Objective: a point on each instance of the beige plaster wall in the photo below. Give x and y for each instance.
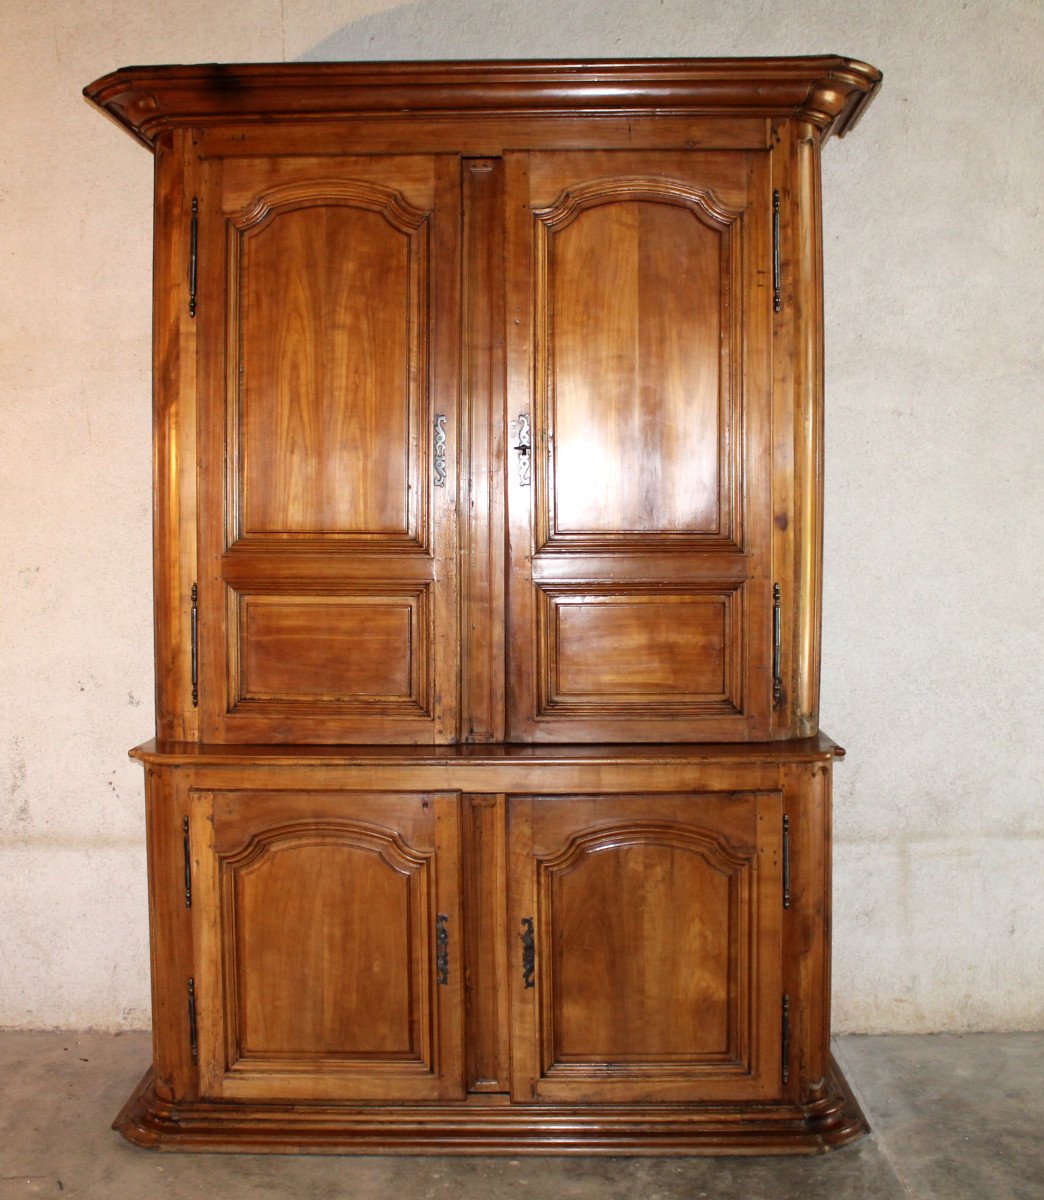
(933, 549)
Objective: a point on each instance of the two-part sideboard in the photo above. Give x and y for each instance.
(488, 809)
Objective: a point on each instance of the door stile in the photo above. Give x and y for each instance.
(445, 317)
(482, 426)
(174, 434)
(520, 614)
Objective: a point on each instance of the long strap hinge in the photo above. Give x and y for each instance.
(777, 645)
(193, 1031)
(194, 625)
(777, 265)
(193, 256)
(442, 949)
(187, 853)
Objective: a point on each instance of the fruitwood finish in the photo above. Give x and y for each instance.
(488, 810)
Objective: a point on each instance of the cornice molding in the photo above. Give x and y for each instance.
(828, 91)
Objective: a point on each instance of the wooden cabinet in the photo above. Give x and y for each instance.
(488, 809)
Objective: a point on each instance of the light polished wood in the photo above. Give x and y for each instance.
(483, 449)
(492, 449)
(174, 466)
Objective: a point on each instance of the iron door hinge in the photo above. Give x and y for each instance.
(786, 862)
(777, 266)
(528, 952)
(193, 256)
(441, 949)
(193, 1035)
(777, 645)
(785, 1039)
(194, 626)
(188, 860)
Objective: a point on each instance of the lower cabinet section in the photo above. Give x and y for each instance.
(543, 951)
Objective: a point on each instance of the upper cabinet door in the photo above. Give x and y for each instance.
(638, 317)
(328, 328)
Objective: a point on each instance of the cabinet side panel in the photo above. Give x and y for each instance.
(808, 452)
(174, 437)
(807, 804)
(170, 932)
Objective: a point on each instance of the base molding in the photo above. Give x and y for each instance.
(834, 1120)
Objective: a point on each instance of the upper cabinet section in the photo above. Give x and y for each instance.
(488, 397)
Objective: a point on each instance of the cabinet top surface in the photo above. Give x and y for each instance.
(827, 90)
(818, 748)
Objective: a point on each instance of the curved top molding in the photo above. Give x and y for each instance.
(829, 91)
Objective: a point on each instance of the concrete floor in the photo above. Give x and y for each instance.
(954, 1118)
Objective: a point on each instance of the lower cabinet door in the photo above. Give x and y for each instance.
(327, 941)
(647, 961)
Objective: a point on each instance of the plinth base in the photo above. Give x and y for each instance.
(833, 1120)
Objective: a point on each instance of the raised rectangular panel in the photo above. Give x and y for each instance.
(610, 651)
(355, 651)
(637, 325)
(651, 1003)
(328, 980)
(328, 351)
